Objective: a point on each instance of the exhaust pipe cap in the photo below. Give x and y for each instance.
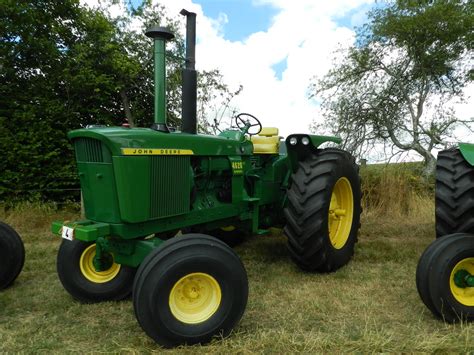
(160, 33)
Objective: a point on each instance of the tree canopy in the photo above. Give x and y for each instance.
(395, 87)
(63, 66)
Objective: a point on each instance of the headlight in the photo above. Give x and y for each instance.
(293, 140)
(305, 140)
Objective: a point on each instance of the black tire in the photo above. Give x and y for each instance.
(454, 194)
(84, 283)
(232, 237)
(174, 262)
(424, 269)
(450, 301)
(307, 211)
(12, 255)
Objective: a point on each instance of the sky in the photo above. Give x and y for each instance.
(274, 48)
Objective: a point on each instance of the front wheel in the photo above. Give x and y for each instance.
(425, 265)
(451, 278)
(79, 277)
(230, 235)
(12, 255)
(323, 211)
(189, 289)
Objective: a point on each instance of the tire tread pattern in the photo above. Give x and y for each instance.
(167, 258)
(12, 255)
(306, 212)
(454, 194)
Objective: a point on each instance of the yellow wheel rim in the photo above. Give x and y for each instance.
(341, 211)
(86, 264)
(195, 298)
(465, 295)
(228, 228)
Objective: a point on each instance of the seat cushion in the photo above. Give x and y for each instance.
(267, 141)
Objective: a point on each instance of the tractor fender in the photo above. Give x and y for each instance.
(467, 151)
(299, 146)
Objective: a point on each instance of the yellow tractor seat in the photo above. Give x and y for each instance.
(267, 141)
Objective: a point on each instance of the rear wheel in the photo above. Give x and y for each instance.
(79, 277)
(323, 211)
(189, 289)
(454, 194)
(12, 255)
(451, 274)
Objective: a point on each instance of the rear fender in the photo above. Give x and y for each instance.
(299, 151)
(467, 151)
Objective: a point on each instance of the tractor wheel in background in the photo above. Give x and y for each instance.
(323, 211)
(77, 274)
(12, 255)
(454, 194)
(189, 289)
(450, 267)
(229, 234)
(423, 270)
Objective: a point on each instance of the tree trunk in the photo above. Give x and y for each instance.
(126, 108)
(430, 166)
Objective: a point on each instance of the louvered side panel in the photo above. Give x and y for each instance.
(170, 186)
(89, 150)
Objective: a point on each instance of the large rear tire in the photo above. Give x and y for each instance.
(454, 194)
(452, 298)
(323, 211)
(190, 289)
(77, 274)
(12, 255)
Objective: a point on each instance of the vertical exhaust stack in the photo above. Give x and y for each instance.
(189, 86)
(160, 35)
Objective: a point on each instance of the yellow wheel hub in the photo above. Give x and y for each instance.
(195, 298)
(228, 228)
(465, 295)
(86, 264)
(341, 211)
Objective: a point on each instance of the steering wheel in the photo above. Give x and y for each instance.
(246, 124)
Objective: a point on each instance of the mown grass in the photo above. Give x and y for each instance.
(371, 305)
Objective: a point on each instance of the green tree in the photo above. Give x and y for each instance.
(63, 66)
(136, 91)
(395, 86)
(36, 100)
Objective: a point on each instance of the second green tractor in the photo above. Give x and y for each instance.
(445, 272)
(159, 203)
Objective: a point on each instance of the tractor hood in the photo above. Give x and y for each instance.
(145, 141)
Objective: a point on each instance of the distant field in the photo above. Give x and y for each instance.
(371, 305)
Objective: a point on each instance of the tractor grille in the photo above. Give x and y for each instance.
(89, 150)
(170, 185)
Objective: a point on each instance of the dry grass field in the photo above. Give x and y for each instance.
(370, 305)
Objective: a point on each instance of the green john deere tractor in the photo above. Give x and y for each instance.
(12, 255)
(142, 186)
(445, 272)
